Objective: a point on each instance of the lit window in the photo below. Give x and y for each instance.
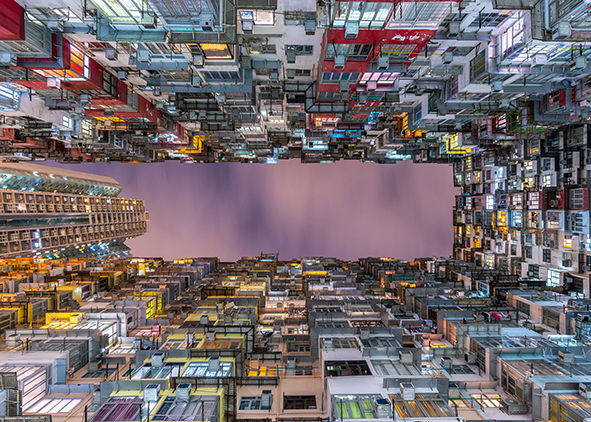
(216, 51)
(568, 242)
(553, 278)
(67, 122)
(489, 202)
(546, 180)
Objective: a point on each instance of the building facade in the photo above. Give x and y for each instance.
(48, 211)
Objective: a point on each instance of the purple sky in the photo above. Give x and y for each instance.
(348, 210)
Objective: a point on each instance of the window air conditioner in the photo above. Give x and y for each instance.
(339, 62)
(351, 30)
(207, 22)
(562, 31)
(454, 29)
(384, 62)
(111, 54)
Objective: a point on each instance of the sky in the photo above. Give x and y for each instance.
(347, 210)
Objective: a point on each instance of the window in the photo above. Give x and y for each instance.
(478, 66)
(379, 77)
(528, 252)
(299, 402)
(79, 62)
(303, 72)
(576, 199)
(346, 368)
(567, 242)
(547, 255)
(398, 52)
(513, 38)
(298, 18)
(350, 51)
(216, 51)
(220, 76)
(8, 98)
(553, 278)
(418, 14)
(487, 400)
(567, 259)
(490, 202)
(250, 403)
(67, 122)
(109, 84)
(336, 77)
(262, 49)
(300, 50)
(368, 14)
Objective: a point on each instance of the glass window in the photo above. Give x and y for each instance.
(553, 278)
(216, 51)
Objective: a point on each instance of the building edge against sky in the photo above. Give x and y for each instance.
(58, 213)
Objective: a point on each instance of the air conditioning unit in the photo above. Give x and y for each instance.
(151, 393)
(214, 364)
(210, 336)
(204, 320)
(149, 22)
(513, 407)
(407, 391)
(339, 62)
(539, 59)
(580, 63)
(454, 29)
(563, 31)
(453, 391)
(405, 357)
(144, 55)
(446, 362)
(362, 97)
(383, 62)
(111, 54)
(310, 26)
(583, 318)
(291, 363)
(365, 334)
(448, 57)
(351, 30)
(290, 56)
(183, 393)
(470, 357)
(274, 76)
(7, 59)
(566, 357)
(198, 60)
(383, 409)
(206, 22)
(266, 399)
(158, 360)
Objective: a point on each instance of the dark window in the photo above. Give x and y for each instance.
(110, 84)
(299, 402)
(346, 368)
(547, 255)
(478, 66)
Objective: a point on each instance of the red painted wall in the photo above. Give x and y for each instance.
(12, 21)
